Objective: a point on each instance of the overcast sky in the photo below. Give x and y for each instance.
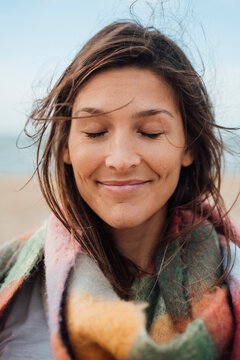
(38, 38)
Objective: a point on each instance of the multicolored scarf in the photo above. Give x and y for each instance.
(171, 316)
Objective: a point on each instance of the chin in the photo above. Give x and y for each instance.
(124, 221)
(123, 225)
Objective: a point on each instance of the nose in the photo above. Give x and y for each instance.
(122, 154)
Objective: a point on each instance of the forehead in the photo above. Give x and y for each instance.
(113, 88)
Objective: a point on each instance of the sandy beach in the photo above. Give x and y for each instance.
(21, 210)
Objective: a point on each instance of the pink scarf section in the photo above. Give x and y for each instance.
(60, 254)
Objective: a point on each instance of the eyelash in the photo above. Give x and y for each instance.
(149, 135)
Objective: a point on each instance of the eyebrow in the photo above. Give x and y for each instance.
(151, 112)
(137, 115)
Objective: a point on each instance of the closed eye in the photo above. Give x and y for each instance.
(94, 135)
(150, 135)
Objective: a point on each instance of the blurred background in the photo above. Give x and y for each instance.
(39, 38)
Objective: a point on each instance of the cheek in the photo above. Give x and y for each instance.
(84, 161)
(166, 160)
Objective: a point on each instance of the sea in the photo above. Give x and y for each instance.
(19, 157)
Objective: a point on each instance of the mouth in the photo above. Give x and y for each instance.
(124, 186)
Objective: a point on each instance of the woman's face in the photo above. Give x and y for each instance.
(126, 162)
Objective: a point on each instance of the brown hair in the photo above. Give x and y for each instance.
(117, 45)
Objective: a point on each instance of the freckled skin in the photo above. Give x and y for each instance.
(123, 151)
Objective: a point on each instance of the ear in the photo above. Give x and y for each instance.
(66, 155)
(187, 158)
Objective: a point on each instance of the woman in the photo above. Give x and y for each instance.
(134, 260)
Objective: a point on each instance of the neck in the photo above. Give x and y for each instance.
(139, 243)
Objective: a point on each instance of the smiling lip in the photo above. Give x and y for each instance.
(125, 186)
